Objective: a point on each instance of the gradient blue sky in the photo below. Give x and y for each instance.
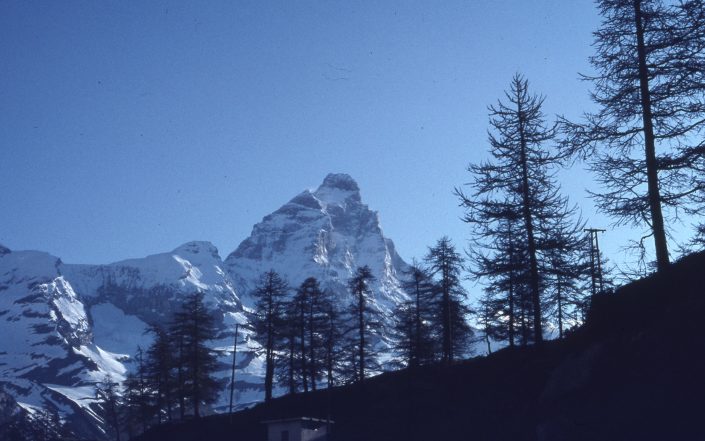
(128, 128)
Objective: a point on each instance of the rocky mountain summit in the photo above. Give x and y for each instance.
(327, 234)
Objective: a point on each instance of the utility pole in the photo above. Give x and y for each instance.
(232, 376)
(596, 273)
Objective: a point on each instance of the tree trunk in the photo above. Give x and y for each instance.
(511, 291)
(447, 329)
(269, 374)
(657, 224)
(417, 338)
(560, 309)
(361, 301)
(269, 368)
(196, 367)
(292, 367)
(180, 376)
(312, 362)
(302, 336)
(528, 220)
(329, 367)
(511, 310)
(330, 348)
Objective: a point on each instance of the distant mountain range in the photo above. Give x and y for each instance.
(68, 326)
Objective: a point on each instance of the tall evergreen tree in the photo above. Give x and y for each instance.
(462, 333)
(134, 410)
(498, 257)
(299, 321)
(159, 370)
(413, 331)
(490, 315)
(192, 328)
(313, 304)
(142, 400)
(288, 361)
(446, 265)
(333, 339)
(270, 293)
(181, 380)
(365, 323)
(517, 183)
(566, 269)
(645, 140)
(304, 331)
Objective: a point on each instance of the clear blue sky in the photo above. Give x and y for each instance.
(128, 128)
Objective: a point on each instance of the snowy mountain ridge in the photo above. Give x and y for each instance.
(72, 326)
(151, 287)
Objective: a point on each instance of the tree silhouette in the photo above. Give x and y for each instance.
(566, 268)
(413, 329)
(270, 293)
(517, 183)
(287, 361)
(316, 305)
(159, 366)
(445, 264)
(644, 142)
(498, 256)
(192, 327)
(307, 338)
(332, 330)
(365, 322)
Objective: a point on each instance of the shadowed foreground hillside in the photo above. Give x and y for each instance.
(636, 371)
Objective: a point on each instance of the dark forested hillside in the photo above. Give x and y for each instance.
(633, 372)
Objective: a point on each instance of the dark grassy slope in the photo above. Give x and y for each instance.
(636, 371)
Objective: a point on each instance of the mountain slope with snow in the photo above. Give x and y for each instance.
(68, 327)
(152, 288)
(327, 234)
(49, 359)
(126, 297)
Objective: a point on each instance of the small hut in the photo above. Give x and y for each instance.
(298, 429)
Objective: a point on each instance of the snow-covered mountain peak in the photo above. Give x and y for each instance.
(326, 234)
(203, 248)
(342, 181)
(338, 189)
